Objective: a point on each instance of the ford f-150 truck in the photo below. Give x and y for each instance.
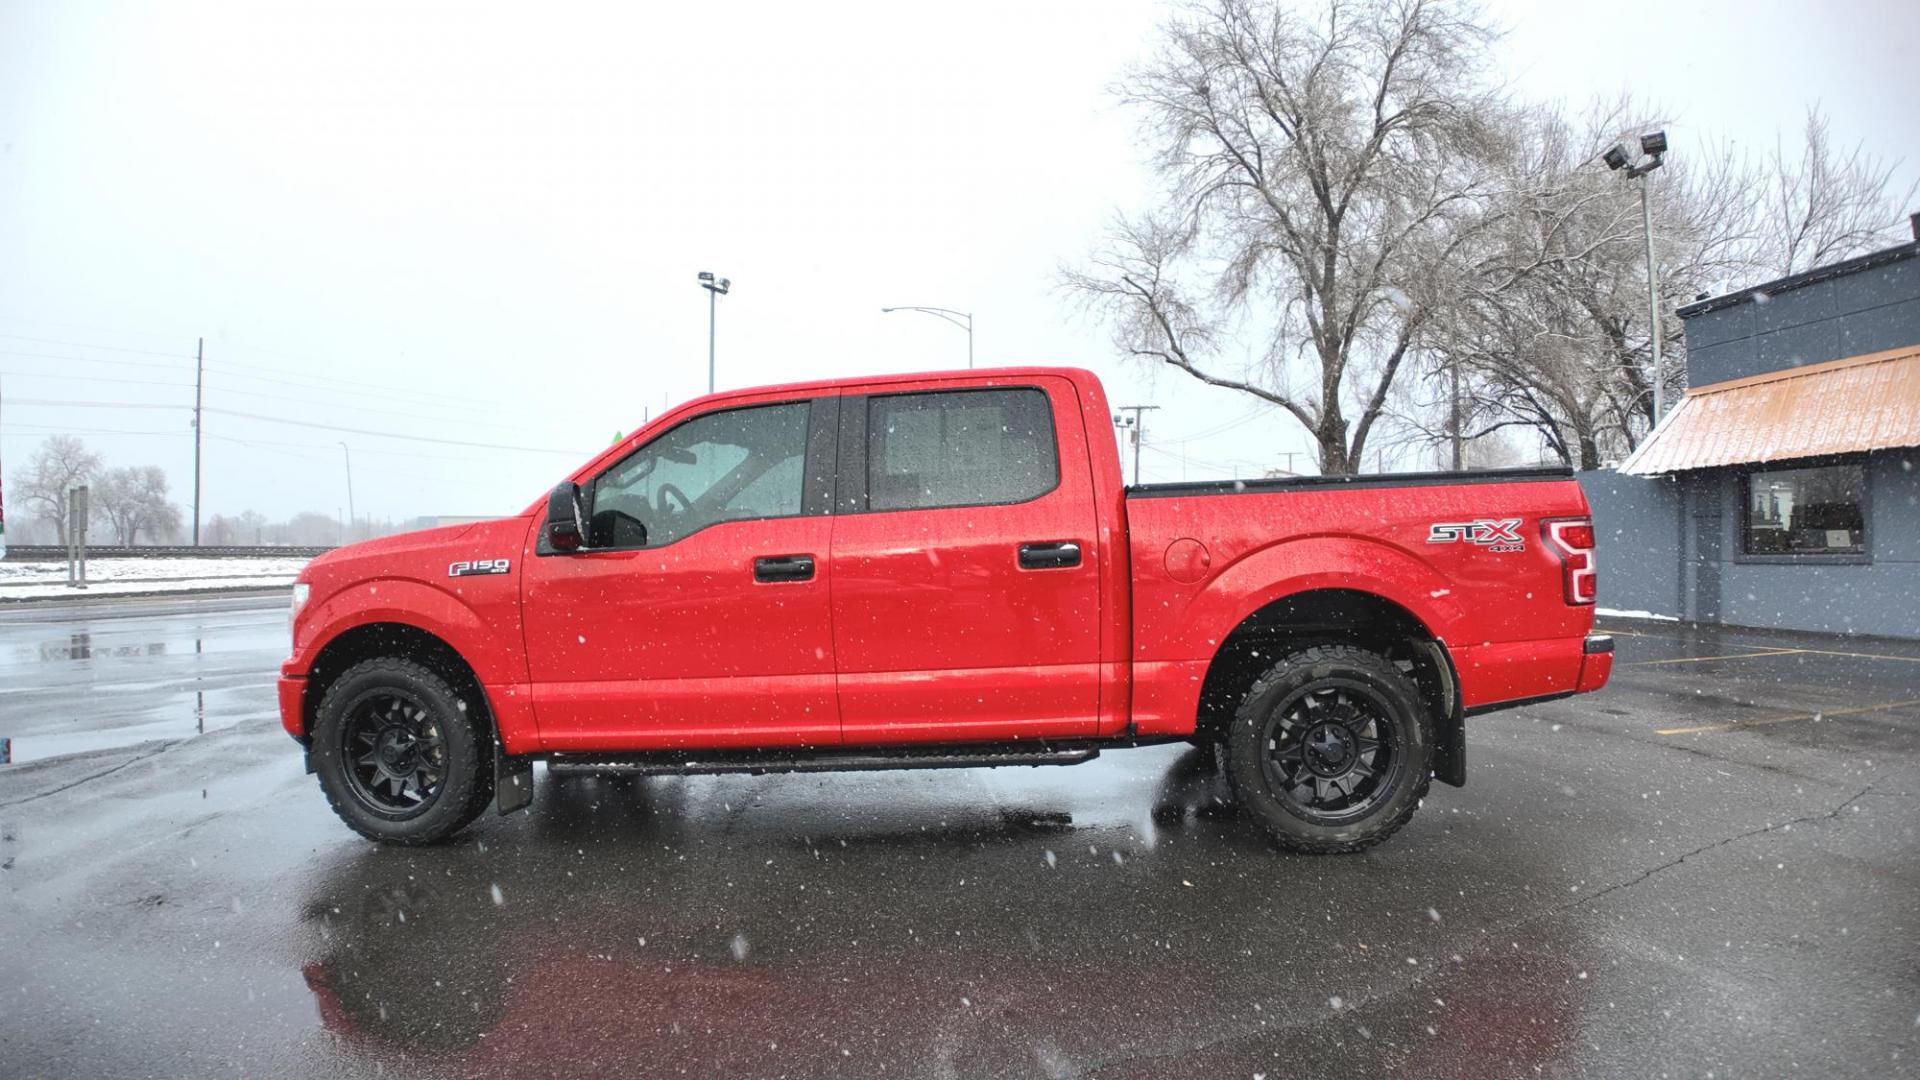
(939, 570)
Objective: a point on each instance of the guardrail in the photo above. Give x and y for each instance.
(55, 553)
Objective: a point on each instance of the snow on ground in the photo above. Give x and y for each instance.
(106, 577)
(1620, 613)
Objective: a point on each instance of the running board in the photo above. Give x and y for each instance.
(760, 762)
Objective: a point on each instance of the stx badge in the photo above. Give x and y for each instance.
(479, 566)
(1494, 535)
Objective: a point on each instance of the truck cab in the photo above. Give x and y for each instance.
(932, 570)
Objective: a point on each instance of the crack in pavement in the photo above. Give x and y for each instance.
(1671, 863)
(71, 784)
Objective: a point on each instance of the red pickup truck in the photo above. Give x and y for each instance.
(939, 570)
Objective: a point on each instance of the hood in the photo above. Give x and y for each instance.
(409, 554)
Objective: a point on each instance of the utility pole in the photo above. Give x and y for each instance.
(199, 380)
(351, 516)
(1455, 366)
(1136, 424)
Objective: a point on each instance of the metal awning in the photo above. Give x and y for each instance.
(1849, 406)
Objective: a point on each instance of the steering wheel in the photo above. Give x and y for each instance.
(660, 499)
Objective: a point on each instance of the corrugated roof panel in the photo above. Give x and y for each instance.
(1869, 402)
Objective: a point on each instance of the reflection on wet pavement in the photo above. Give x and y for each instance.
(1002, 926)
(114, 676)
(1600, 900)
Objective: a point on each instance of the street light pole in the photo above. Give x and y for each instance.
(949, 315)
(1650, 155)
(348, 454)
(1653, 298)
(716, 288)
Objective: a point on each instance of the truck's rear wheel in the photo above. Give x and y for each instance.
(1330, 749)
(399, 759)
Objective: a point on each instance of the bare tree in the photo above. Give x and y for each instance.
(1826, 204)
(1550, 329)
(61, 464)
(134, 499)
(1324, 176)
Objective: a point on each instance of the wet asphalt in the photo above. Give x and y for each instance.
(1711, 868)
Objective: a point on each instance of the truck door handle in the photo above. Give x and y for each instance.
(1054, 555)
(783, 568)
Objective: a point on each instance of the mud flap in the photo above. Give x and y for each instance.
(1450, 750)
(512, 782)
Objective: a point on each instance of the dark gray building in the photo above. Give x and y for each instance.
(1784, 489)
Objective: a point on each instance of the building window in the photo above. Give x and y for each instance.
(1818, 511)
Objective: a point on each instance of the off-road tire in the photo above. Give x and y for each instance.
(1245, 747)
(468, 786)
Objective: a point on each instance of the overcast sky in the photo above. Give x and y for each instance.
(481, 223)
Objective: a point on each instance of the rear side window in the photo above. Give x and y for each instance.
(959, 448)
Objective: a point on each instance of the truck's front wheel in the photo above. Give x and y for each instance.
(1330, 749)
(399, 758)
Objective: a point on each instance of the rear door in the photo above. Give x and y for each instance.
(697, 614)
(965, 589)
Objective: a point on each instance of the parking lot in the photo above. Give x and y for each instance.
(1710, 868)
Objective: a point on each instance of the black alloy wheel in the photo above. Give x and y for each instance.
(1330, 751)
(403, 757)
(395, 754)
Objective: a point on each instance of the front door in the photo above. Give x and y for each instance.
(697, 614)
(965, 571)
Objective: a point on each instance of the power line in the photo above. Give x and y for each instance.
(303, 423)
(394, 435)
(102, 348)
(90, 359)
(94, 378)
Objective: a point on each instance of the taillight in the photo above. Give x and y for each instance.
(1572, 540)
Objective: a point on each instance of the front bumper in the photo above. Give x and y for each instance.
(1596, 663)
(293, 705)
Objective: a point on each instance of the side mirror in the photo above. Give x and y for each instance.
(563, 518)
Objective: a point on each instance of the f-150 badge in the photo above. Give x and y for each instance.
(1494, 535)
(479, 566)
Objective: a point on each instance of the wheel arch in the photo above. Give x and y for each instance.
(1343, 615)
(368, 641)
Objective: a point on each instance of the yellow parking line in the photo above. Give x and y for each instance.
(1883, 706)
(1704, 659)
(1862, 655)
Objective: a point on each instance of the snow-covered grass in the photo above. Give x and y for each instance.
(106, 577)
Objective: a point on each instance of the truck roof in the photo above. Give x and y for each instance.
(959, 374)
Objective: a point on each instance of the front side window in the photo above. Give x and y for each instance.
(724, 466)
(1817, 511)
(959, 448)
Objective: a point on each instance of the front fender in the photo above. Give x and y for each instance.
(1297, 566)
(413, 603)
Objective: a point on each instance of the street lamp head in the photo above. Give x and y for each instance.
(713, 283)
(1617, 156)
(1654, 145)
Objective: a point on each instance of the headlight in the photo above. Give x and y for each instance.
(300, 592)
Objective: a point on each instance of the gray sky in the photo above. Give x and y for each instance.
(481, 223)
